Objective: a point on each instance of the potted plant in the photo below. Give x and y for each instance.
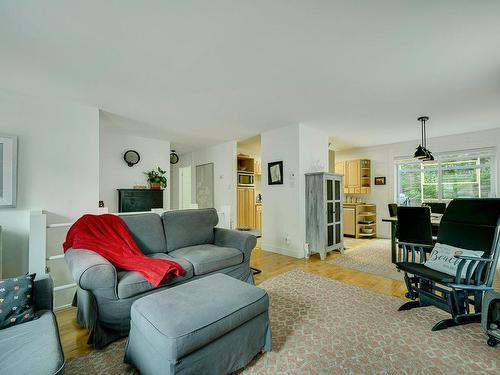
(156, 178)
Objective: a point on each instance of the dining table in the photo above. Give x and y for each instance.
(393, 220)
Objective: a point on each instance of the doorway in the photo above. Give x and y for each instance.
(185, 187)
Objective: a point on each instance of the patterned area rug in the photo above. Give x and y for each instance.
(323, 326)
(372, 257)
(375, 257)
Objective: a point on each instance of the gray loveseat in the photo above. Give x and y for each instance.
(34, 347)
(105, 294)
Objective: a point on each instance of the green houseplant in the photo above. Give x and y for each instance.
(156, 178)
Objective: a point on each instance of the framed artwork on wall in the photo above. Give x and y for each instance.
(8, 170)
(205, 185)
(275, 173)
(379, 180)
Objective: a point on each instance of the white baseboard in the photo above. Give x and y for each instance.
(281, 250)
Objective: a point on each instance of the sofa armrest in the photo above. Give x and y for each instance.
(92, 272)
(245, 242)
(43, 293)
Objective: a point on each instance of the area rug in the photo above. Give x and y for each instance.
(372, 257)
(375, 257)
(323, 326)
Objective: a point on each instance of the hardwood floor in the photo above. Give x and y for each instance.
(74, 338)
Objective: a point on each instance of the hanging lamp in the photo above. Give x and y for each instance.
(422, 153)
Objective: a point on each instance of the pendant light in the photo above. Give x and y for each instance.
(421, 152)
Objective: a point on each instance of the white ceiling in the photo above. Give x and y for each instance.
(201, 72)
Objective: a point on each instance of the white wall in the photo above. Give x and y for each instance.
(224, 158)
(280, 218)
(302, 149)
(313, 151)
(185, 160)
(114, 173)
(58, 167)
(382, 161)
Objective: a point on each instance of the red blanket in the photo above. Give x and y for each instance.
(108, 236)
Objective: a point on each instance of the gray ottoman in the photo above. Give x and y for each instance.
(213, 325)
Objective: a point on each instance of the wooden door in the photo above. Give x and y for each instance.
(340, 168)
(353, 174)
(250, 207)
(241, 207)
(246, 207)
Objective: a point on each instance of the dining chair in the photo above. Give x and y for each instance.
(414, 225)
(393, 209)
(436, 207)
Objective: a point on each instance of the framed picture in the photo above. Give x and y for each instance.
(8, 170)
(379, 180)
(275, 173)
(205, 185)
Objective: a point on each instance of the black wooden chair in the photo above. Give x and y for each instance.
(414, 225)
(436, 207)
(472, 224)
(393, 209)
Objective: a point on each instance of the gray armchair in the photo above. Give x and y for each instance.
(189, 237)
(34, 347)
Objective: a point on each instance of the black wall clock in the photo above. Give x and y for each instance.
(131, 157)
(174, 158)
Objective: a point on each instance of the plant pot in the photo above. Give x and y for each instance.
(154, 185)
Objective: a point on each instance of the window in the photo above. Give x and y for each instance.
(460, 174)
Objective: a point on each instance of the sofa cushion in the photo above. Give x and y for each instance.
(16, 300)
(208, 258)
(199, 312)
(185, 228)
(32, 347)
(147, 232)
(131, 283)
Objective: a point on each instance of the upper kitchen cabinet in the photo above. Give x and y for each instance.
(357, 175)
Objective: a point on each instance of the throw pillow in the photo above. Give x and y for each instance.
(442, 259)
(16, 300)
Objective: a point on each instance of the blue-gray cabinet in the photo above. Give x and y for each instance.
(324, 197)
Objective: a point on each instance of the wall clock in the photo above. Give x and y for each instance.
(174, 158)
(131, 157)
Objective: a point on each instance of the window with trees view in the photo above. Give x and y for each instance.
(461, 174)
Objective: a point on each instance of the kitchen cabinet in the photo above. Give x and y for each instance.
(357, 175)
(246, 207)
(349, 221)
(360, 220)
